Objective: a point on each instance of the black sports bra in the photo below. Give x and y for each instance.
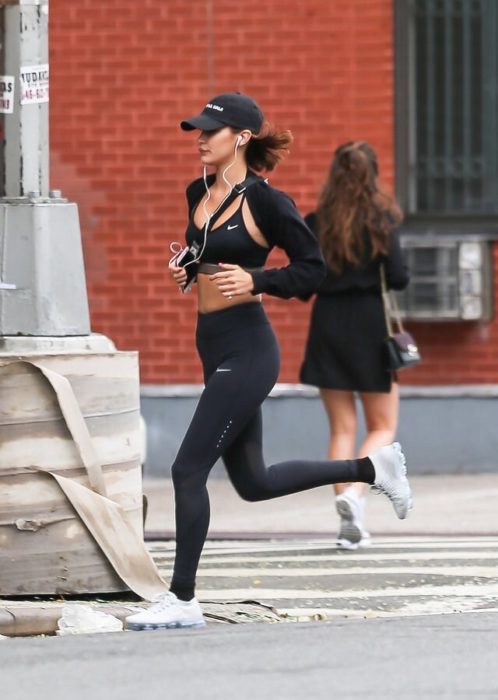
(229, 242)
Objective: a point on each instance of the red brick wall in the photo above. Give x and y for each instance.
(124, 73)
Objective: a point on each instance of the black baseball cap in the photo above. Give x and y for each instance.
(229, 109)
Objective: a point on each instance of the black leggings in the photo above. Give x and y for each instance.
(240, 357)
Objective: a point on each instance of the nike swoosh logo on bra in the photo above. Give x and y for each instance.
(231, 227)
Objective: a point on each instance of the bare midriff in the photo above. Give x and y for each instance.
(209, 297)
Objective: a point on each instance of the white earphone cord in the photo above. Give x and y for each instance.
(204, 204)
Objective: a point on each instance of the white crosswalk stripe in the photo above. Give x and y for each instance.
(397, 576)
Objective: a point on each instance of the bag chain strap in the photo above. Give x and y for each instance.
(390, 302)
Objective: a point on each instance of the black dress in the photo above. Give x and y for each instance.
(345, 347)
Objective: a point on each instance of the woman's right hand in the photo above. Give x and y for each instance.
(179, 275)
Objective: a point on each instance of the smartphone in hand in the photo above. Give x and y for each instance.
(188, 259)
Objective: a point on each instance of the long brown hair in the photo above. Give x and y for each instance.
(352, 204)
(266, 149)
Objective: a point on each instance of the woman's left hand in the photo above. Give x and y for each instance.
(233, 281)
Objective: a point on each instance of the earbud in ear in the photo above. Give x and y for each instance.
(240, 140)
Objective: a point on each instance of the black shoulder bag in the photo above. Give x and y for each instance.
(401, 348)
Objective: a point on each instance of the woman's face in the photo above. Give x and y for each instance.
(217, 147)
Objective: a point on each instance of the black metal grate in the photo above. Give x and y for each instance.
(454, 68)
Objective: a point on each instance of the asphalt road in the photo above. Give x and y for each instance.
(440, 656)
(408, 618)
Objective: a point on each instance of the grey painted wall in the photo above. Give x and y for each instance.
(453, 432)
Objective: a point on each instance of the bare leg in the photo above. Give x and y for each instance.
(381, 414)
(341, 412)
(381, 419)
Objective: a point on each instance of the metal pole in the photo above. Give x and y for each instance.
(42, 279)
(24, 58)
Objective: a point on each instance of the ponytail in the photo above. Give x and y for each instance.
(267, 149)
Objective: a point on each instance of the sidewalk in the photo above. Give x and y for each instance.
(448, 504)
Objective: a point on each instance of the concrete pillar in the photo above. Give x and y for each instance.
(44, 322)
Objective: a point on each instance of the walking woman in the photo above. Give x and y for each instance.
(355, 224)
(236, 343)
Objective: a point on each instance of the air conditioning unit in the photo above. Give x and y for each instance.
(450, 279)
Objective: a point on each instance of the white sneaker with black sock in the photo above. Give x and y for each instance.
(390, 478)
(167, 611)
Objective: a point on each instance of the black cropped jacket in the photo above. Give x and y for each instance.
(278, 219)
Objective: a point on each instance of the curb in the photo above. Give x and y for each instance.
(27, 621)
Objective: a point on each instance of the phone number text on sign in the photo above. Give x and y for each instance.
(34, 84)
(6, 94)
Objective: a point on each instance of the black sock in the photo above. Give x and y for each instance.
(366, 470)
(182, 592)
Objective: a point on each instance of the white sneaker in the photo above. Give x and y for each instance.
(366, 541)
(390, 478)
(167, 611)
(347, 505)
(351, 509)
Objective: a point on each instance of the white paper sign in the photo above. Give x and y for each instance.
(6, 94)
(34, 84)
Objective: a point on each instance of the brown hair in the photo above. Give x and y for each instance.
(352, 204)
(267, 149)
